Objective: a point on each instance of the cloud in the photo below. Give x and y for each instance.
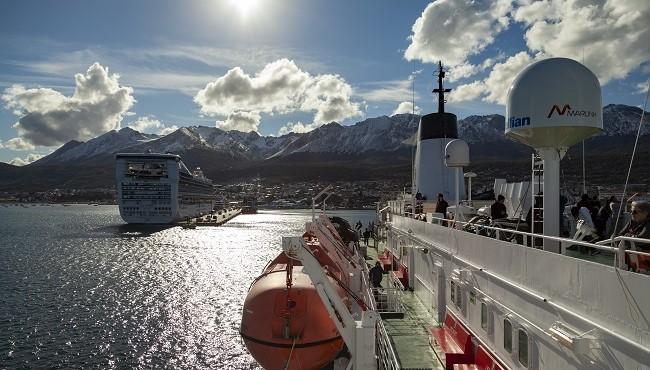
(611, 36)
(167, 130)
(406, 107)
(642, 87)
(27, 160)
(18, 143)
(147, 124)
(297, 127)
(151, 125)
(280, 87)
(241, 121)
(452, 30)
(388, 91)
(49, 118)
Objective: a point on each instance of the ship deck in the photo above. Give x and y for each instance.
(409, 335)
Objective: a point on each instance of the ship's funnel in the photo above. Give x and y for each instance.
(434, 132)
(552, 105)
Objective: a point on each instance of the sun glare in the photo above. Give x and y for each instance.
(245, 7)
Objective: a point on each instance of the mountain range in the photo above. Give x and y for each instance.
(374, 148)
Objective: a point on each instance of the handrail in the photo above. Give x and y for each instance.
(542, 236)
(387, 359)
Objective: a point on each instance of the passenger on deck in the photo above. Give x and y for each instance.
(498, 209)
(604, 213)
(441, 204)
(639, 227)
(366, 236)
(376, 275)
(585, 228)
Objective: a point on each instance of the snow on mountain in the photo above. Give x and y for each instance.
(110, 142)
(619, 119)
(385, 134)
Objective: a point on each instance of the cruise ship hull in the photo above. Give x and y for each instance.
(158, 189)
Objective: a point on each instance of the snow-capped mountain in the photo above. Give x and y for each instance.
(380, 134)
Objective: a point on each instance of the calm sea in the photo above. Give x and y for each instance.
(80, 289)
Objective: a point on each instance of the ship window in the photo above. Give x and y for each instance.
(507, 335)
(459, 297)
(472, 297)
(523, 347)
(453, 291)
(484, 316)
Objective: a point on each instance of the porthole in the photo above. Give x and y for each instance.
(507, 335)
(522, 353)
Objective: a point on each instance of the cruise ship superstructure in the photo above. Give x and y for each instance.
(159, 189)
(492, 298)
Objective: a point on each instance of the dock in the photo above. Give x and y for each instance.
(409, 335)
(216, 219)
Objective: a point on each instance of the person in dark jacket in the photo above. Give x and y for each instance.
(441, 205)
(498, 209)
(376, 275)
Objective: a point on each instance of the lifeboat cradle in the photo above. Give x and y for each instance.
(358, 319)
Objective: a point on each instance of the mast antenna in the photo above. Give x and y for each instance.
(440, 90)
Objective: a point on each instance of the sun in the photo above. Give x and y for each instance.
(245, 7)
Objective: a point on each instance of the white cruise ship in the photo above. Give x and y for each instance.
(159, 189)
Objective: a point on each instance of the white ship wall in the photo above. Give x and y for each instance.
(431, 174)
(534, 290)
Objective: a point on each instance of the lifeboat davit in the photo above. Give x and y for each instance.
(284, 322)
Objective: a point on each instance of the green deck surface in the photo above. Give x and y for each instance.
(410, 336)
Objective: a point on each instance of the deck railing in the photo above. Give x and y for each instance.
(624, 245)
(386, 357)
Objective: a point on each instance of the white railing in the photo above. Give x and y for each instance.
(500, 233)
(386, 357)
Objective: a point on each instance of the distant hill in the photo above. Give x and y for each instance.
(374, 148)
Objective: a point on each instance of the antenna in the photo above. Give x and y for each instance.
(440, 90)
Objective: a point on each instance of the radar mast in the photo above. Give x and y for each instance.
(440, 90)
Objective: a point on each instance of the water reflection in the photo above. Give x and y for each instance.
(79, 293)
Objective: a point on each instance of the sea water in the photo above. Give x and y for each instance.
(81, 289)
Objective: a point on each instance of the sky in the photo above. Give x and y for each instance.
(75, 69)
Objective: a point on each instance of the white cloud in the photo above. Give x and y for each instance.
(466, 92)
(18, 143)
(297, 127)
(642, 87)
(452, 30)
(611, 36)
(151, 125)
(280, 87)
(49, 118)
(167, 130)
(27, 160)
(147, 124)
(406, 107)
(240, 121)
(387, 91)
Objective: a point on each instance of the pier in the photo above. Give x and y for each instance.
(216, 219)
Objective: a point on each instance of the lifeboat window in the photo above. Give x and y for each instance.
(459, 297)
(484, 316)
(507, 335)
(472, 297)
(523, 347)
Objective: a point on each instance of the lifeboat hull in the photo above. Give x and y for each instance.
(299, 334)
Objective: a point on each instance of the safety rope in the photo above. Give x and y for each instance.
(286, 367)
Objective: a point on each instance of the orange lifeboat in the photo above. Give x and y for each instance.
(284, 322)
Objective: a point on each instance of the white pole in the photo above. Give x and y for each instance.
(551, 158)
(470, 191)
(459, 171)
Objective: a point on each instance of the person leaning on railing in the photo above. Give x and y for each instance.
(639, 227)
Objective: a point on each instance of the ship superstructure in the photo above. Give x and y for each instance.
(487, 297)
(159, 189)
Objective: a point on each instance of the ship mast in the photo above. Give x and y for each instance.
(440, 90)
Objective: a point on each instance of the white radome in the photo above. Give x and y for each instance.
(554, 103)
